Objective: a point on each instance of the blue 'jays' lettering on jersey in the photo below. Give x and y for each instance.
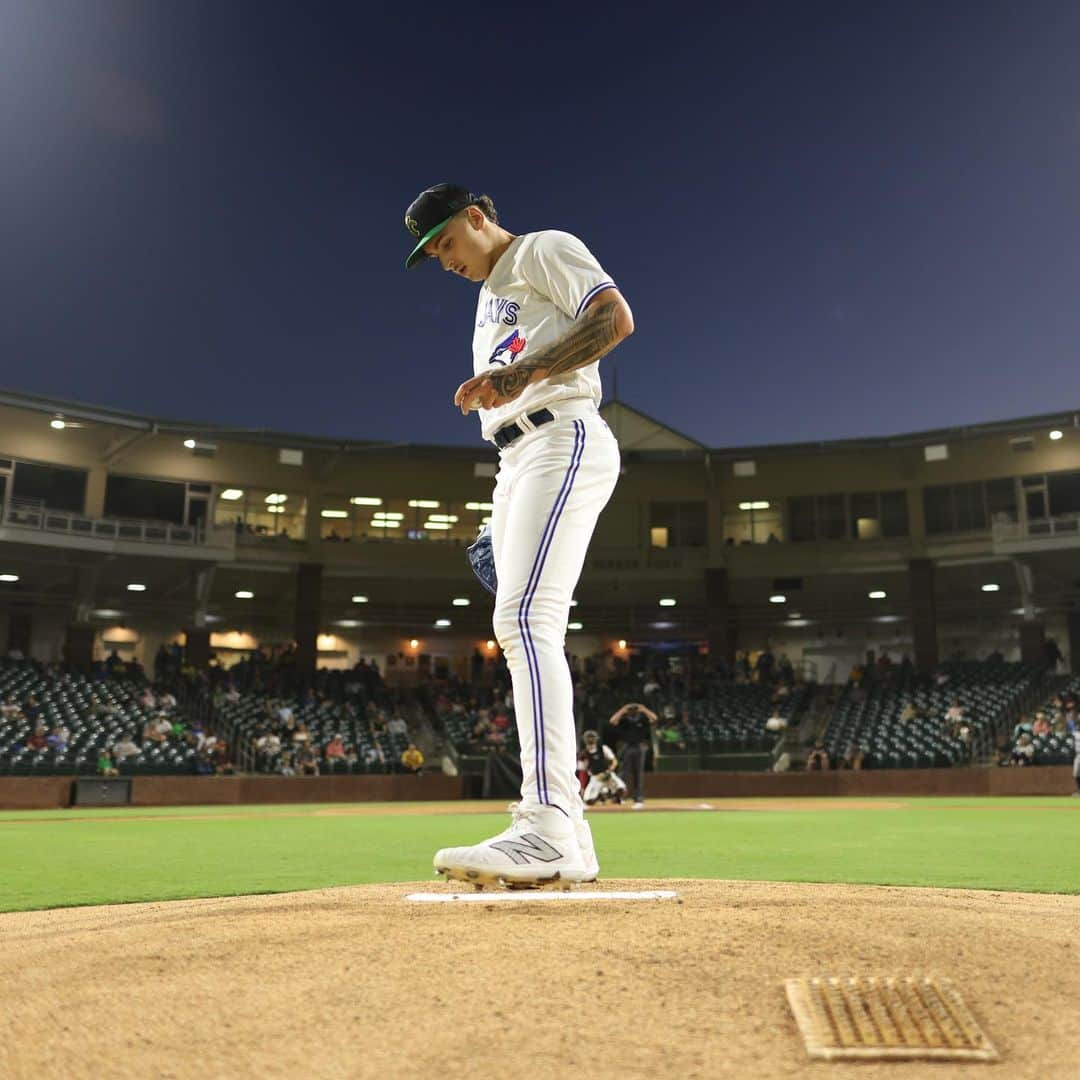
(512, 344)
(498, 310)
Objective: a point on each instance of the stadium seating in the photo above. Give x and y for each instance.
(96, 714)
(1056, 749)
(869, 716)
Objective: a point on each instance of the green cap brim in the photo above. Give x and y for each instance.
(418, 251)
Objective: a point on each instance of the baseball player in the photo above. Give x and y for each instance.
(546, 313)
(600, 763)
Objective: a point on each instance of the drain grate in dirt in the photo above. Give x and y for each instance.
(888, 1018)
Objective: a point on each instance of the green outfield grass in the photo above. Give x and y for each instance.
(61, 858)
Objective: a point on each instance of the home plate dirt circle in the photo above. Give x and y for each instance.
(355, 982)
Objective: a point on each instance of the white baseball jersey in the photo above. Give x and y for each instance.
(540, 286)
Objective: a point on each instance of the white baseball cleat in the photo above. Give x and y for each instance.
(588, 851)
(540, 848)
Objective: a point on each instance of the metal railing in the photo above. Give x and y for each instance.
(32, 515)
(1063, 526)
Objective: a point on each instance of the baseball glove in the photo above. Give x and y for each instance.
(482, 560)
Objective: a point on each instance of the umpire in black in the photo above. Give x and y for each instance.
(634, 723)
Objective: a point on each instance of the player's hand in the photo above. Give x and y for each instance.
(475, 393)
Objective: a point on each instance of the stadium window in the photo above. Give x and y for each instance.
(263, 513)
(54, 488)
(1064, 490)
(753, 521)
(137, 497)
(685, 522)
(831, 517)
(894, 513)
(865, 516)
(938, 508)
(1001, 499)
(802, 519)
(969, 501)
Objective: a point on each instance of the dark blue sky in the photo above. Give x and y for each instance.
(830, 219)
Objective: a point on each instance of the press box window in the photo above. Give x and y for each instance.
(678, 524)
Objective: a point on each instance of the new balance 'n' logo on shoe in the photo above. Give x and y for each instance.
(526, 846)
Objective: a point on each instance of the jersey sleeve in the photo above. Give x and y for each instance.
(562, 268)
(608, 755)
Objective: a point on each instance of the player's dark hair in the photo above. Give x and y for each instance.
(488, 207)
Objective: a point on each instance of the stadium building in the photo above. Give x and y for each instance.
(120, 532)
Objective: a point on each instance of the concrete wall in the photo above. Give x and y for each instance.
(24, 793)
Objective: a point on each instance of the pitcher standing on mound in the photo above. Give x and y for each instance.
(546, 313)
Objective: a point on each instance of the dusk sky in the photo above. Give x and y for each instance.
(830, 220)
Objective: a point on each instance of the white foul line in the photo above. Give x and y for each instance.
(530, 895)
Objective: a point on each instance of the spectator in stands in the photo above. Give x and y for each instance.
(335, 748)
(852, 758)
(38, 739)
(301, 736)
(11, 708)
(1022, 725)
(308, 761)
(220, 757)
(1024, 751)
(909, 712)
(124, 747)
(267, 748)
(776, 722)
(152, 733)
(105, 766)
(954, 713)
(412, 758)
(375, 759)
(1041, 727)
(57, 740)
(285, 763)
(818, 758)
(1060, 726)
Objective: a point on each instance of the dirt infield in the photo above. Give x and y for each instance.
(354, 982)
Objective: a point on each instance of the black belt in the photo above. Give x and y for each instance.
(512, 432)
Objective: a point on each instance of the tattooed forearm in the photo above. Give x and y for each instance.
(595, 336)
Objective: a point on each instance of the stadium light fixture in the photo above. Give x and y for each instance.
(451, 518)
(877, 594)
(573, 603)
(424, 504)
(668, 601)
(275, 509)
(758, 504)
(108, 613)
(276, 498)
(135, 586)
(622, 643)
(1055, 434)
(442, 624)
(365, 500)
(388, 515)
(461, 601)
(991, 586)
(413, 643)
(348, 624)
(335, 513)
(778, 598)
(796, 622)
(57, 424)
(244, 594)
(491, 645)
(232, 494)
(573, 626)
(359, 599)
(9, 577)
(479, 506)
(438, 525)
(662, 625)
(189, 443)
(382, 523)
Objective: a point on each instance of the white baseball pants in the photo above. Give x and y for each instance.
(551, 485)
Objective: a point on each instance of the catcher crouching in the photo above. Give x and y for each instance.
(600, 763)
